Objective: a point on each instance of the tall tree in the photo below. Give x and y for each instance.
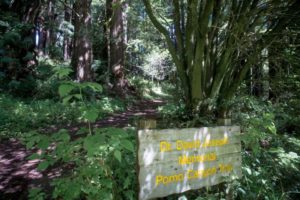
(217, 42)
(82, 48)
(116, 42)
(67, 40)
(50, 29)
(46, 25)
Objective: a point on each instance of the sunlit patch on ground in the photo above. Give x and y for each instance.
(17, 173)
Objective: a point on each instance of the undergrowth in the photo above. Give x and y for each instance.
(18, 116)
(270, 149)
(102, 162)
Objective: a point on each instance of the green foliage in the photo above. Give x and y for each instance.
(56, 52)
(66, 91)
(93, 155)
(288, 115)
(102, 166)
(257, 119)
(36, 194)
(151, 89)
(273, 173)
(145, 42)
(67, 28)
(100, 163)
(16, 50)
(176, 115)
(17, 114)
(47, 81)
(171, 110)
(270, 159)
(259, 129)
(99, 23)
(158, 65)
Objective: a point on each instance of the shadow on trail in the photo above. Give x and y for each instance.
(142, 110)
(18, 175)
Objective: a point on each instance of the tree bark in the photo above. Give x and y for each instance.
(82, 49)
(67, 40)
(48, 31)
(116, 42)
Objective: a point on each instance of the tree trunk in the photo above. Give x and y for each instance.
(116, 44)
(82, 49)
(67, 40)
(208, 57)
(48, 31)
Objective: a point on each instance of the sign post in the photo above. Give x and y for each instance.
(177, 160)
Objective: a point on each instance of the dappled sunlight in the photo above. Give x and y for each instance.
(148, 156)
(177, 160)
(126, 118)
(87, 56)
(159, 91)
(81, 72)
(207, 139)
(79, 78)
(16, 171)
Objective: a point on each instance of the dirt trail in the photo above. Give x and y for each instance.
(17, 174)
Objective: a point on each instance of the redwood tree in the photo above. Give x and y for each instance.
(116, 42)
(82, 48)
(67, 40)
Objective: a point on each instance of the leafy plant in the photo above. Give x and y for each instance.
(91, 154)
(100, 163)
(270, 159)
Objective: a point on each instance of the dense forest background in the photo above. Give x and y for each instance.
(76, 76)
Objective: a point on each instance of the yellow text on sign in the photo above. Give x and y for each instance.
(192, 174)
(185, 160)
(182, 145)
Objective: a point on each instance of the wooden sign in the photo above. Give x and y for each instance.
(176, 160)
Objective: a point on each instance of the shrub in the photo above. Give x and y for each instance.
(102, 163)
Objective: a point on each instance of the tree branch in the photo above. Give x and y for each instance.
(178, 31)
(179, 65)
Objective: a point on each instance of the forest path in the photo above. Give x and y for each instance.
(18, 175)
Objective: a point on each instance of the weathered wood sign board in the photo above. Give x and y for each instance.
(176, 160)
